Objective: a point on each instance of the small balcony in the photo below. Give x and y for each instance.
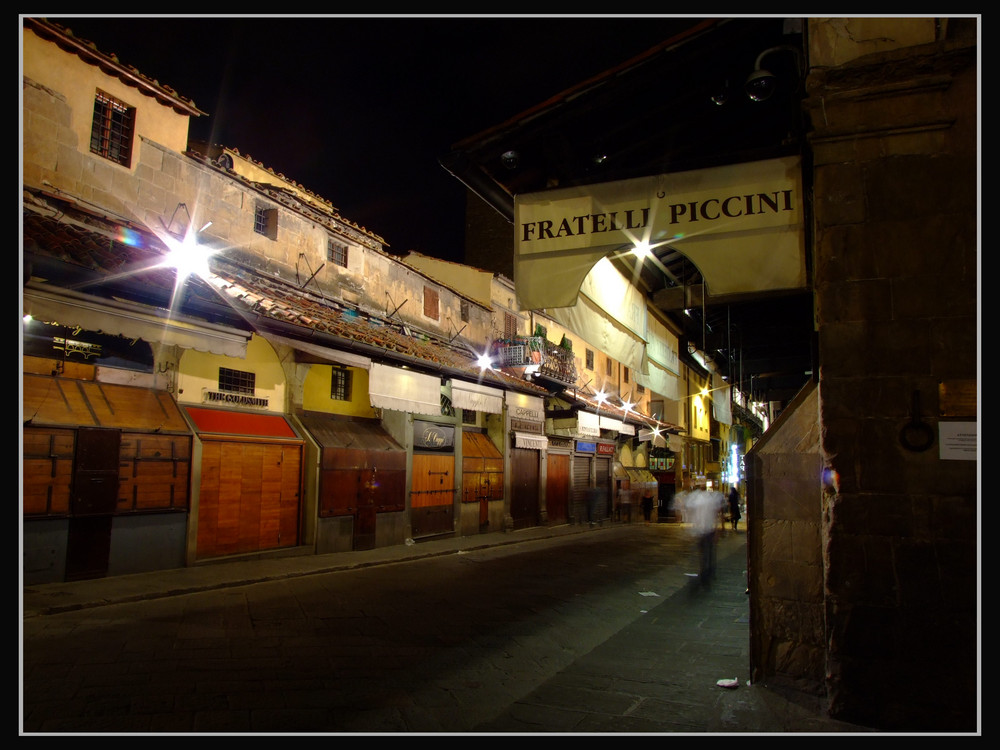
(535, 358)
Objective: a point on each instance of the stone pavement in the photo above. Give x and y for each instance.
(668, 684)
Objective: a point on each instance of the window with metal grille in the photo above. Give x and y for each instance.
(625, 374)
(236, 381)
(589, 359)
(640, 389)
(431, 303)
(465, 311)
(113, 126)
(607, 366)
(336, 253)
(265, 222)
(340, 384)
(469, 416)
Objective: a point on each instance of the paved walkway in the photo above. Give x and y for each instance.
(667, 684)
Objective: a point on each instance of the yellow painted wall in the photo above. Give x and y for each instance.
(78, 81)
(199, 371)
(316, 393)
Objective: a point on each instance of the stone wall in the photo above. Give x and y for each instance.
(894, 147)
(785, 565)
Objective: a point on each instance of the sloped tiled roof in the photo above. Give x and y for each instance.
(110, 64)
(78, 247)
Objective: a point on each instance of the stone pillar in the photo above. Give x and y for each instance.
(893, 142)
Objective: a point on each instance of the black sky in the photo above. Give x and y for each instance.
(359, 109)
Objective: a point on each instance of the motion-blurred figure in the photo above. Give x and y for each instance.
(702, 508)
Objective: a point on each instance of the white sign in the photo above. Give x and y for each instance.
(741, 224)
(958, 441)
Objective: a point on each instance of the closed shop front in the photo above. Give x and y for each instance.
(526, 420)
(583, 456)
(362, 476)
(432, 491)
(482, 473)
(106, 474)
(557, 481)
(251, 482)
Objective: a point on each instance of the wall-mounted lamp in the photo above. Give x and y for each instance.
(761, 83)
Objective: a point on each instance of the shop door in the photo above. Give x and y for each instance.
(482, 474)
(581, 483)
(557, 488)
(602, 478)
(249, 497)
(93, 499)
(432, 494)
(362, 484)
(524, 487)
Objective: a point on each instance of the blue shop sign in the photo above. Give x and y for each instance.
(586, 447)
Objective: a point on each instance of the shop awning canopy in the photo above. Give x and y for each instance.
(476, 397)
(223, 422)
(527, 440)
(404, 390)
(89, 403)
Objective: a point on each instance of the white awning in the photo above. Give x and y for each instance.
(658, 440)
(626, 429)
(118, 318)
(607, 423)
(323, 352)
(587, 424)
(404, 390)
(476, 397)
(527, 440)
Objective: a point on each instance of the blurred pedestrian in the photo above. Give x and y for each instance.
(734, 506)
(703, 509)
(647, 502)
(593, 498)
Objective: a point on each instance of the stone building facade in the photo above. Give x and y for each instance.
(864, 504)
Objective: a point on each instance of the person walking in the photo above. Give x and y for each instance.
(734, 506)
(647, 503)
(702, 510)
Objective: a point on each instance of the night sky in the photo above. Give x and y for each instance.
(359, 109)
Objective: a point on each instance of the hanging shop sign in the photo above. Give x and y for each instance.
(605, 449)
(741, 224)
(430, 436)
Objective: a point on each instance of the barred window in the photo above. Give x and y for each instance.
(236, 381)
(607, 366)
(590, 359)
(265, 222)
(336, 253)
(465, 311)
(625, 374)
(640, 389)
(340, 384)
(112, 130)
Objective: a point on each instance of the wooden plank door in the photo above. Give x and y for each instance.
(524, 487)
(249, 497)
(557, 488)
(432, 494)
